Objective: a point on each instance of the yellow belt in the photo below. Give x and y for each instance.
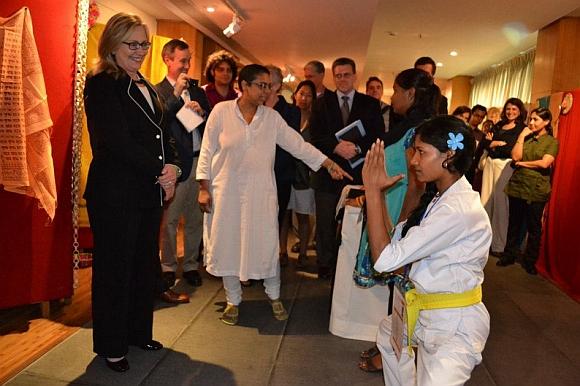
(417, 302)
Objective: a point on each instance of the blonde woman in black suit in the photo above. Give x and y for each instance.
(134, 168)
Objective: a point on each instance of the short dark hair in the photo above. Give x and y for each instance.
(318, 66)
(215, 60)
(426, 60)
(250, 72)
(520, 105)
(170, 47)
(461, 110)
(478, 107)
(344, 62)
(374, 79)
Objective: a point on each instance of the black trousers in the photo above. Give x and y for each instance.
(283, 189)
(524, 216)
(125, 264)
(326, 241)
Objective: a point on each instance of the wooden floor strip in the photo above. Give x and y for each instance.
(25, 336)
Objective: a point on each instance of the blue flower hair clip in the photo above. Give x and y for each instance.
(454, 141)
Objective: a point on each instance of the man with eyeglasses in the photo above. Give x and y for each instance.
(177, 91)
(331, 113)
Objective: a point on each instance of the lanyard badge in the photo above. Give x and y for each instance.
(398, 317)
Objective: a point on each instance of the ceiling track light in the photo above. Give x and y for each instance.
(234, 27)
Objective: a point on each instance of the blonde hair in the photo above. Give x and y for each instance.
(118, 28)
(493, 114)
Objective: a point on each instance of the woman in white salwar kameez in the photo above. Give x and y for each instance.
(238, 189)
(444, 248)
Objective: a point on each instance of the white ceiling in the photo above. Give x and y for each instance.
(382, 36)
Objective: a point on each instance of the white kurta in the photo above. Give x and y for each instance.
(241, 232)
(449, 250)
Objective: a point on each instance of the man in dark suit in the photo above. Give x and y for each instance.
(179, 91)
(332, 112)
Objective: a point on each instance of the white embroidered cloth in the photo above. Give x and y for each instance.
(26, 164)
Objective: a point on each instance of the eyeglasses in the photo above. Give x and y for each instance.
(134, 46)
(262, 85)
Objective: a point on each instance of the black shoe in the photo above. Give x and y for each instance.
(153, 345)
(531, 270)
(192, 278)
(168, 278)
(504, 263)
(119, 366)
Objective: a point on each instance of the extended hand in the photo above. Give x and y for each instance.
(374, 172)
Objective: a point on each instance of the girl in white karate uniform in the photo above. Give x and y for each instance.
(444, 247)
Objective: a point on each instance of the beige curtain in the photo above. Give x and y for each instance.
(510, 79)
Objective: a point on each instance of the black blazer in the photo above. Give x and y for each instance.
(183, 139)
(128, 141)
(326, 120)
(284, 163)
(508, 136)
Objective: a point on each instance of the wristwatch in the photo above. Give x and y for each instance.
(178, 171)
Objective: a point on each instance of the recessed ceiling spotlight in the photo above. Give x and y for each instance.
(453, 53)
(210, 9)
(439, 64)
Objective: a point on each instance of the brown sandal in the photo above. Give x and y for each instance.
(368, 366)
(371, 352)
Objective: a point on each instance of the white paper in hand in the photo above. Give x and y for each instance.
(189, 118)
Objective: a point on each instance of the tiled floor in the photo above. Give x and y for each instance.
(534, 340)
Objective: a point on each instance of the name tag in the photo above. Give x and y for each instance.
(398, 322)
